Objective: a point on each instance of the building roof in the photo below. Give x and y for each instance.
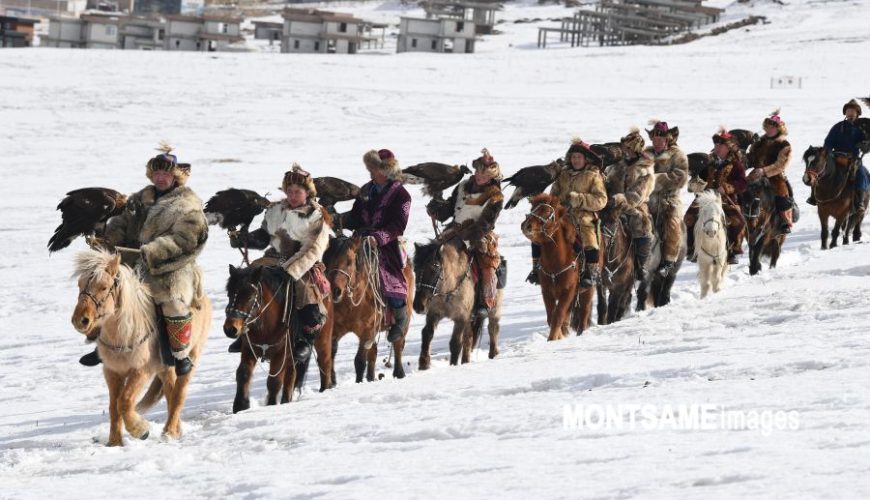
(467, 5)
(319, 16)
(226, 17)
(102, 19)
(18, 20)
(268, 24)
(184, 18)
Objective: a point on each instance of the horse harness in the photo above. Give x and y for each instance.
(123, 349)
(434, 287)
(545, 221)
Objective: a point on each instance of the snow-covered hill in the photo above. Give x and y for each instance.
(789, 340)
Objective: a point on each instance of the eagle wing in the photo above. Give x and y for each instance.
(233, 207)
(82, 211)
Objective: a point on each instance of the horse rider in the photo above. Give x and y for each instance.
(847, 138)
(769, 157)
(475, 205)
(166, 223)
(726, 175)
(629, 183)
(671, 174)
(381, 213)
(580, 188)
(295, 233)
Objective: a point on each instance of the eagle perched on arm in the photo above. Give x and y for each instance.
(530, 181)
(83, 211)
(435, 177)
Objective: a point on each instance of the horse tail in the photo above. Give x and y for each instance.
(151, 397)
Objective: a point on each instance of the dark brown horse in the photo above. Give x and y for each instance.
(617, 278)
(356, 302)
(548, 225)
(445, 289)
(833, 183)
(765, 239)
(258, 297)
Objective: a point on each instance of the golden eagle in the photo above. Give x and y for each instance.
(82, 212)
(530, 181)
(331, 190)
(435, 177)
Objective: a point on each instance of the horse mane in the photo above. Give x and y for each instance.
(337, 246)
(811, 151)
(134, 307)
(707, 197)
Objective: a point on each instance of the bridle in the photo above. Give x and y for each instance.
(99, 303)
(544, 220)
(234, 312)
(436, 266)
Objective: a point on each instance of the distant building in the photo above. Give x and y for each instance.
(64, 32)
(43, 8)
(16, 31)
(207, 32)
(482, 14)
(142, 33)
(155, 7)
(314, 31)
(268, 30)
(90, 31)
(435, 35)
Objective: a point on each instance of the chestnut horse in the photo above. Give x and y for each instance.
(834, 188)
(762, 224)
(617, 278)
(549, 225)
(358, 306)
(445, 289)
(257, 298)
(113, 300)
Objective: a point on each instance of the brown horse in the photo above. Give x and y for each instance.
(762, 224)
(358, 305)
(445, 289)
(257, 298)
(833, 184)
(113, 300)
(617, 279)
(549, 226)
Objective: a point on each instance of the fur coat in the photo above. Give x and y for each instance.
(634, 181)
(170, 231)
(671, 174)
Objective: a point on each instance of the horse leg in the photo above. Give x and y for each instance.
(704, 277)
(334, 354)
(494, 328)
(135, 424)
(398, 349)
(243, 381)
(426, 344)
(115, 382)
(561, 316)
(835, 233)
(273, 384)
(755, 248)
(467, 342)
(286, 379)
(456, 341)
(642, 295)
(359, 361)
(823, 220)
(174, 405)
(602, 303)
(624, 300)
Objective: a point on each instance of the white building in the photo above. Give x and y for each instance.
(90, 31)
(435, 35)
(142, 33)
(313, 31)
(208, 32)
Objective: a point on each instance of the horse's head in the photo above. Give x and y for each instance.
(438, 267)
(244, 299)
(710, 213)
(814, 161)
(544, 219)
(99, 275)
(341, 266)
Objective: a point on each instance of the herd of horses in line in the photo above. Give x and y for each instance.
(113, 298)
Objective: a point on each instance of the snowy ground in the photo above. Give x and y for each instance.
(790, 340)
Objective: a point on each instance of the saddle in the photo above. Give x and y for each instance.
(839, 171)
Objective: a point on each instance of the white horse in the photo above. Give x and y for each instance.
(711, 242)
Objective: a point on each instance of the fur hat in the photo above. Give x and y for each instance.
(487, 164)
(578, 146)
(774, 120)
(723, 136)
(661, 129)
(168, 162)
(385, 161)
(299, 177)
(633, 141)
(852, 104)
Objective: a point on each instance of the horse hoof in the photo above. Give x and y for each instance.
(112, 444)
(145, 436)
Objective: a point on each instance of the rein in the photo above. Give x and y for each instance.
(99, 303)
(545, 221)
(610, 234)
